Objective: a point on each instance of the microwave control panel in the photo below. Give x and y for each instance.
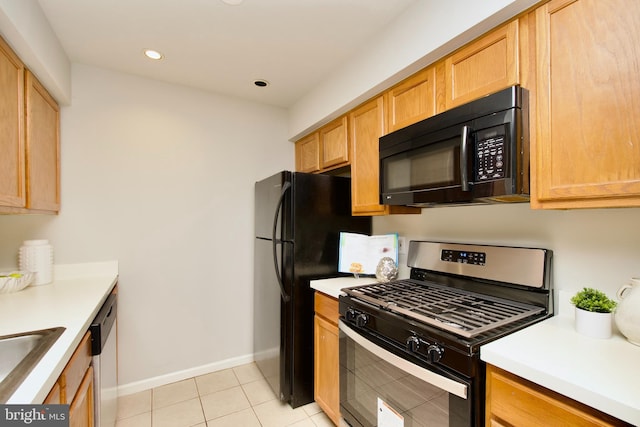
(490, 159)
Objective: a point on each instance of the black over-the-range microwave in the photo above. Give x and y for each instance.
(475, 153)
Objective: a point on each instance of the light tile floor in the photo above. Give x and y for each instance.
(238, 397)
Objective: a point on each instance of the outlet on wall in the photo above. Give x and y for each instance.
(402, 245)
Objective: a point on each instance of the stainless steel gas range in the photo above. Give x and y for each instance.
(410, 349)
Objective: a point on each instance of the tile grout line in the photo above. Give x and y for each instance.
(251, 406)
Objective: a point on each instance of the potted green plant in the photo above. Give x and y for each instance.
(593, 315)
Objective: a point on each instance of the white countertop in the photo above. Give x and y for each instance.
(72, 300)
(332, 286)
(601, 373)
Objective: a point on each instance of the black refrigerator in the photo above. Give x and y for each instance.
(298, 220)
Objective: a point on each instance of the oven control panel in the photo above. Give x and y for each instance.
(464, 257)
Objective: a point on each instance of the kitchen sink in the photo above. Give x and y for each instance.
(19, 354)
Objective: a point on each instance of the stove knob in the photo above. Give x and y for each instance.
(434, 353)
(361, 320)
(413, 344)
(350, 315)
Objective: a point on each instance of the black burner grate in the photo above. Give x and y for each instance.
(461, 312)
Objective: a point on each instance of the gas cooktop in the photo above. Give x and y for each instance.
(461, 312)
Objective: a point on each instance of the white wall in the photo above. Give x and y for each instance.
(595, 247)
(424, 33)
(160, 177)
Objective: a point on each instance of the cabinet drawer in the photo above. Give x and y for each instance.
(327, 307)
(512, 400)
(74, 372)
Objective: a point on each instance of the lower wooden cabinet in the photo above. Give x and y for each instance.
(326, 357)
(75, 386)
(514, 401)
(81, 407)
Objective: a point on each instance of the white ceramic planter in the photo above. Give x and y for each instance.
(593, 324)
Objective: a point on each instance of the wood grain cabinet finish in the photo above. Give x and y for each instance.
(326, 356)
(29, 140)
(484, 66)
(334, 144)
(367, 125)
(12, 160)
(75, 386)
(308, 153)
(586, 149)
(513, 401)
(81, 407)
(42, 147)
(325, 149)
(413, 99)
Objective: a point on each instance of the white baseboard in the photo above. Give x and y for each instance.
(142, 385)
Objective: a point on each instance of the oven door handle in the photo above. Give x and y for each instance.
(443, 383)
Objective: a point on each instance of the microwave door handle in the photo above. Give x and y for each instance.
(464, 158)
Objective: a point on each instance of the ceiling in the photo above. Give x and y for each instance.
(210, 45)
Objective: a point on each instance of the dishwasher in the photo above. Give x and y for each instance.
(103, 349)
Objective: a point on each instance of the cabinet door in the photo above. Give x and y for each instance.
(73, 374)
(482, 67)
(586, 151)
(326, 368)
(54, 396)
(43, 147)
(12, 163)
(81, 407)
(334, 143)
(413, 99)
(367, 125)
(308, 153)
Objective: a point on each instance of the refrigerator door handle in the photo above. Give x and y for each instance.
(276, 241)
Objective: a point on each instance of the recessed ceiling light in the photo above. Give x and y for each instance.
(261, 83)
(153, 54)
(232, 2)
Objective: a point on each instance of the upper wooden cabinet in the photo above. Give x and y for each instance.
(29, 140)
(12, 160)
(308, 153)
(413, 99)
(586, 145)
(334, 144)
(325, 149)
(43, 147)
(367, 125)
(484, 66)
